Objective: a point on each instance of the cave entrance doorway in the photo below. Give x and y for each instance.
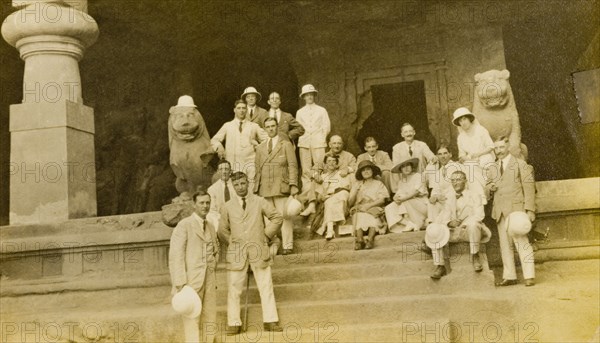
(393, 105)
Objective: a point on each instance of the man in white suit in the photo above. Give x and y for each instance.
(241, 137)
(513, 189)
(220, 192)
(277, 176)
(243, 227)
(315, 121)
(193, 256)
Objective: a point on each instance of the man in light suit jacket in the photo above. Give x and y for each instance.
(287, 126)
(193, 256)
(255, 113)
(243, 227)
(241, 137)
(220, 192)
(462, 215)
(315, 121)
(512, 184)
(277, 176)
(410, 148)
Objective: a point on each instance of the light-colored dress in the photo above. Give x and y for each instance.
(337, 187)
(369, 191)
(415, 209)
(476, 140)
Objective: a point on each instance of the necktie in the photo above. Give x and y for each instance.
(270, 145)
(410, 151)
(251, 114)
(227, 197)
(458, 195)
(241, 122)
(244, 203)
(501, 167)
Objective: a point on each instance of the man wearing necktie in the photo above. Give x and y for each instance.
(241, 137)
(410, 147)
(462, 215)
(255, 113)
(287, 126)
(513, 189)
(277, 176)
(220, 192)
(243, 227)
(193, 256)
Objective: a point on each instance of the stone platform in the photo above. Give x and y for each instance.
(106, 279)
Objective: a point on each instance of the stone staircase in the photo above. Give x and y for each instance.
(326, 292)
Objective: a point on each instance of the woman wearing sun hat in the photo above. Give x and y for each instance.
(408, 210)
(367, 196)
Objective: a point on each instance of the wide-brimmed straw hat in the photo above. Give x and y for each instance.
(462, 112)
(366, 164)
(412, 161)
(250, 90)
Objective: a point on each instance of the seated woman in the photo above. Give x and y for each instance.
(408, 210)
(368, 195)
(332, 191)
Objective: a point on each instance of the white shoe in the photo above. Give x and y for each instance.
(329, 236)
(409, 228)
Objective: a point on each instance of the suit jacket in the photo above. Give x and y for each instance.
(192, 251)
(381, 159)
(246, 232)
(239, 150)
(315, 121)
(257, 114)
(287, 126)
(400, 153)
(516, 188)
(277, 171)
(217, 194)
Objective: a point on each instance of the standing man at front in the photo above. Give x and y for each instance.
(241, 138)
(513, 189)
(255, 113)
(277, 176)
(242, 225)
(192, 262)
(315, 121)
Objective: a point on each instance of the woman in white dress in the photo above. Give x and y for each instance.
(475, 148)
(333, 192)
(367, 195)
(408, 210)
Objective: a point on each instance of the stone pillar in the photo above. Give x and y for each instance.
(52, 133)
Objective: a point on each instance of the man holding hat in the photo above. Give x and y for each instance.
(255, 113)
(193, 256)
(315, 121)
(459, 221)
(511, 183)
(277, 176)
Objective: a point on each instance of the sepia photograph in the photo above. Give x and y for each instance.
(315, 171)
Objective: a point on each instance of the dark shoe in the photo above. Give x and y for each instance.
(358, 245)
(233, 330)
(506, 283)
(274, 327)
(477, 263)
(438, 272)
(529, 282)
(287, 252)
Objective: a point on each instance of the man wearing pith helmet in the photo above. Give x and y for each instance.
(315, 121)
(255, 113)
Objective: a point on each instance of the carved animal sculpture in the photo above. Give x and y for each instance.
(191, 152)
(495, 108)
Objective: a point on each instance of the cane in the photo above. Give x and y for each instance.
(245, 323)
